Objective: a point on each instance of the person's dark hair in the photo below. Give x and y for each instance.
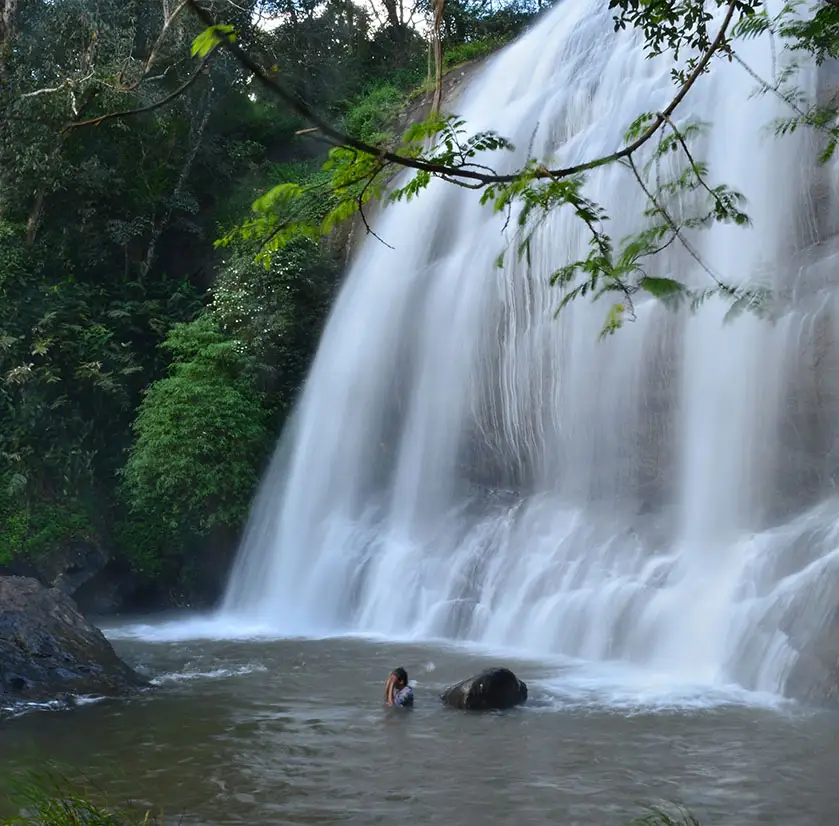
(401, 674)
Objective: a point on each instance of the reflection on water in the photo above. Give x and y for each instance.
(292, 731)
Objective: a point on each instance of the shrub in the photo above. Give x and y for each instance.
(201, 437)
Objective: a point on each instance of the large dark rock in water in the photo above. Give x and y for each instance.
(491, 690)
(48, 649)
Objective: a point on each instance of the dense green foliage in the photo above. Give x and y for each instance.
(144, 371)
(201, 434)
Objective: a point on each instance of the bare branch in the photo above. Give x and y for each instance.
(168, 19)
(142, 109)
(360, 202)
(47, 90)
(375, 9)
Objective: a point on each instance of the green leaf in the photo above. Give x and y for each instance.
(211, 37)
(661, 287)
(614, 320)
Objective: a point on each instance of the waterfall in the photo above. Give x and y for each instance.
(462, 464)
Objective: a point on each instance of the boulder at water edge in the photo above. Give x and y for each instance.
(491, 690)
(48, 649)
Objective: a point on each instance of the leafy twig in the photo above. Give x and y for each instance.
(677, 230)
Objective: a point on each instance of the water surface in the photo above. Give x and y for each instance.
(293, 732)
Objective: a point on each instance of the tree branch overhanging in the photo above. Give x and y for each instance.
(454, 173)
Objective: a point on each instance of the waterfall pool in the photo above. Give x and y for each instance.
(292, 731)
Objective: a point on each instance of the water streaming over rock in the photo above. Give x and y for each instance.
(463, 465)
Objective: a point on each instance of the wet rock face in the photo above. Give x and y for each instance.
(814, 676)
(48, 649)
(804, 627)
(492, 690)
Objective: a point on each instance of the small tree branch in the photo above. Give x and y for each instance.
(48, 90)
(360, 202)
(142, 109)
(683, 143)
(168, 19)
(677, 230)
(160, 226)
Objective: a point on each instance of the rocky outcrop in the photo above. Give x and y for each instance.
(103, 583)
(198, 584)
(814, 679)
(48, 649)
(492, 690)
(810, 625)
(70, 567)
(66, 567)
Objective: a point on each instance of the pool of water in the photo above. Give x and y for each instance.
(293, 731)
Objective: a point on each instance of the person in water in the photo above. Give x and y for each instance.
(397, 690)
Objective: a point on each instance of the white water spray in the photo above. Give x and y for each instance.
(463, 465)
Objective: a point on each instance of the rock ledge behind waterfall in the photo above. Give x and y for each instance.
(491, 690)
(48, 649)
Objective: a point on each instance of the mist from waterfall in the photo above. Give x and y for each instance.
(463, 465)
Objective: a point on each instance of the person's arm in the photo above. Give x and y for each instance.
(389, 690)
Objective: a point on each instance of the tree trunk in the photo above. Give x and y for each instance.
(7, 14)
(439, 6)
(192, 153)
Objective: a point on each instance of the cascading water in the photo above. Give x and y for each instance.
(463, 465)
